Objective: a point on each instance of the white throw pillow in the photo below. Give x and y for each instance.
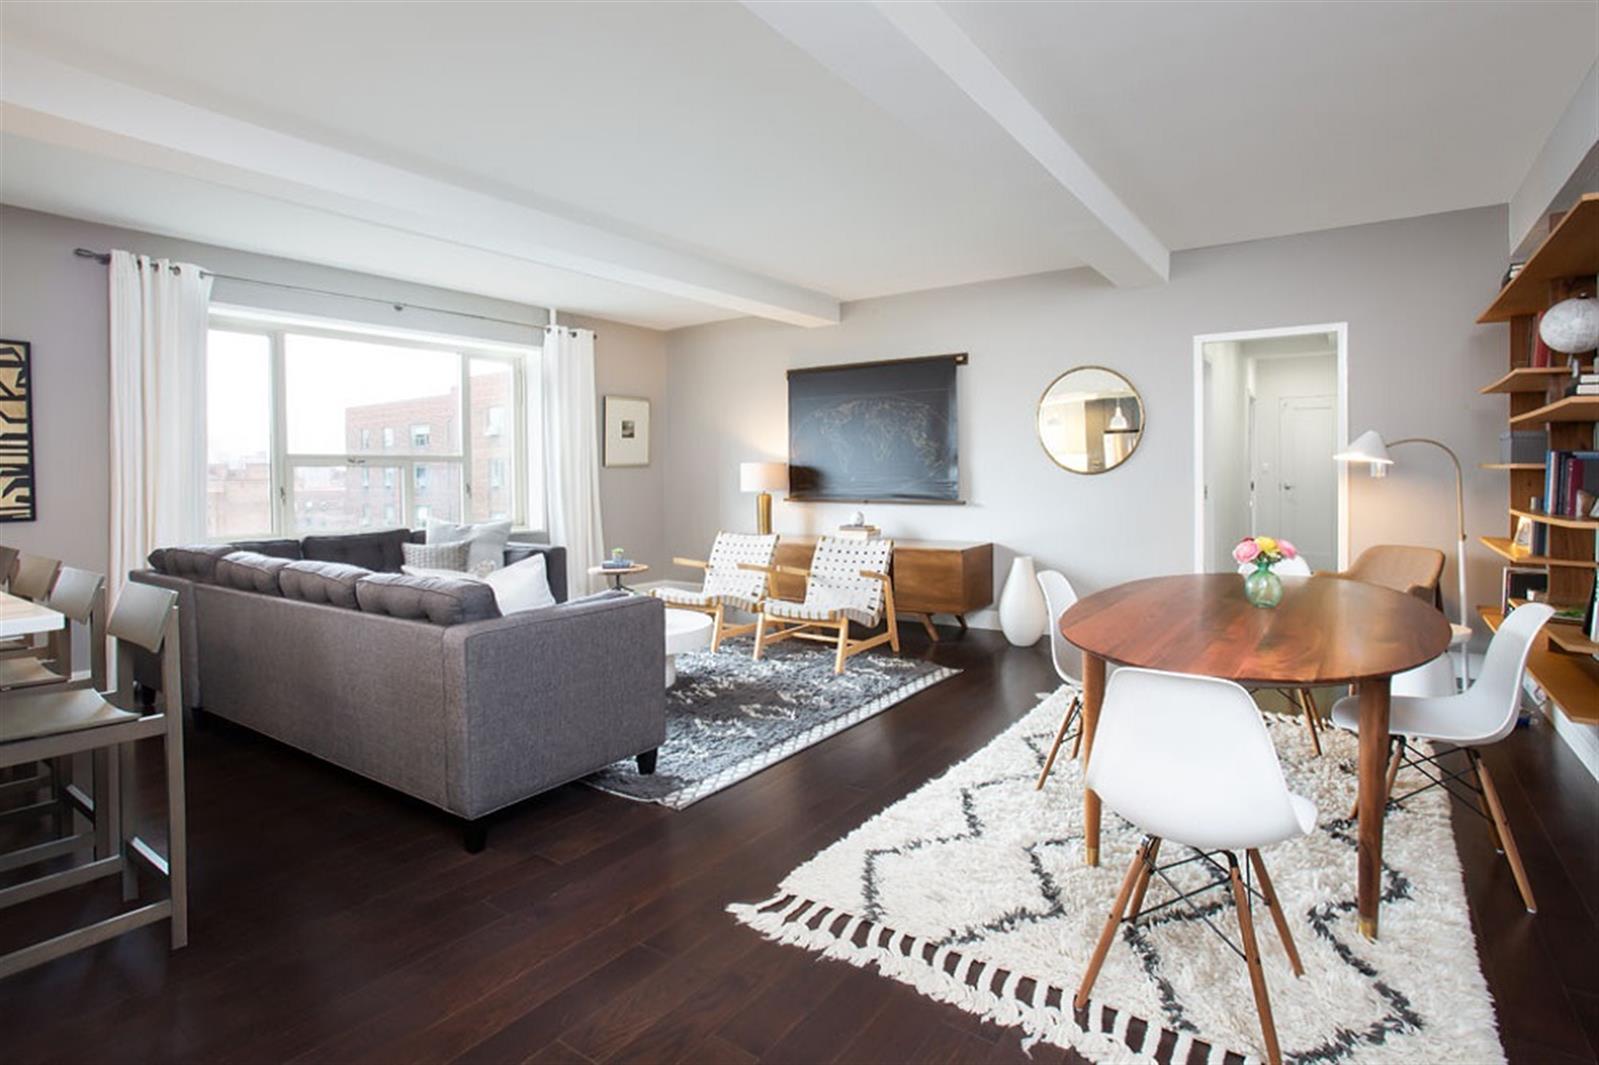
(521, 586)
(518, 587)
(486, 541)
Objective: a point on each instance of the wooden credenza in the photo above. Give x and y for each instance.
(930, 576)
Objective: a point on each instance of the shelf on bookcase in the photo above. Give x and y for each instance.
(1569, 409)
(1571, 249)
(1571, 681)
(1526, 379)
(1511, 466)
(1552, 519)
(1500, 545)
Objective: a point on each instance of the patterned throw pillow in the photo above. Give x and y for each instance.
(447, 556)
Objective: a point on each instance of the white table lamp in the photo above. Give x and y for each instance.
(1372, 450)
(763, 478)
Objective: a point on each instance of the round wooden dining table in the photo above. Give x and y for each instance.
(1326, 630)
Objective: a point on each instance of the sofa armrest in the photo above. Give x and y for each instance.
(538, 699)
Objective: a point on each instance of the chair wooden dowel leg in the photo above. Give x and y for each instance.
(1487, 814)
(1278, 917)
(1137, 905)
(1308, 703)
(1107, 936)
(1257, 975)
(1397, 745)
(1054, 748)
(760, 635)
(1512, 853)
(843, 646)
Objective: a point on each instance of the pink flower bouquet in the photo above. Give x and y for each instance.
(1263, 551)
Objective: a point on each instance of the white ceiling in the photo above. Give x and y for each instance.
(699, 164)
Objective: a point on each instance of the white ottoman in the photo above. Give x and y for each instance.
(686, 630)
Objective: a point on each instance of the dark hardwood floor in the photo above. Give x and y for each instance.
(333, 920)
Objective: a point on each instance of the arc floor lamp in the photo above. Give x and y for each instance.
(1371, 449)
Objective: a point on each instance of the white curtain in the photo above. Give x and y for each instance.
(570, 435)
(158, 335)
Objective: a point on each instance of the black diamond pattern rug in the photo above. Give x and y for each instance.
(973, 891)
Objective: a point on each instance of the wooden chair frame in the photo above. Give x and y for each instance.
(116, 848)
(834, 629)
(1129, 907)
(721, 629)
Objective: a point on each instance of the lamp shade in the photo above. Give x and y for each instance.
(1368, 447)
(763, 477)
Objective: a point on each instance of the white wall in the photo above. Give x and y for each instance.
(58, 303)
(1410, 291)
(1226, 451)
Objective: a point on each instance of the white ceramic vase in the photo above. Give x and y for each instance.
(1023, 614)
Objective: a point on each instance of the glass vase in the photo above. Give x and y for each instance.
(1262, 587)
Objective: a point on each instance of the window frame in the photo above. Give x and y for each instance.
(282, 463)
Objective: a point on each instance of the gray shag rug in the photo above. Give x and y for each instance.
(728, 717)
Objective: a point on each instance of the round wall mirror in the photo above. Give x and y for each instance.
(1090, 419)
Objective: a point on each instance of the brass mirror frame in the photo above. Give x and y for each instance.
(1143, 419)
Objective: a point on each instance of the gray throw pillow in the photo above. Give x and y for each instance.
(450, 556)
(487, 540)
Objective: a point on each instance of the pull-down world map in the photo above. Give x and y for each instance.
(874, 431)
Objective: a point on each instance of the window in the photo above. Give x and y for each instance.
(324, 428)
(238, 453)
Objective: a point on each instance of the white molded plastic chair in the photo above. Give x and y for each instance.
(56, 722)
(1481, 715)
(1059, 596)
(1295, 567)
(1188, 759)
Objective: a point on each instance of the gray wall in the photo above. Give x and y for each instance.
(1410, 291)
(58, 303)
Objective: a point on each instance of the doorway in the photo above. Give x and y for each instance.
(1270, 411)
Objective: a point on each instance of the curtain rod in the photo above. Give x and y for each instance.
(104, 258)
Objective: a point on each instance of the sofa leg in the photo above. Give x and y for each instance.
(474, 835)
(646, 761)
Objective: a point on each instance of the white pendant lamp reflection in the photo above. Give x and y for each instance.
(1118, 421)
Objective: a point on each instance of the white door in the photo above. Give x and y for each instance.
(1307, 477)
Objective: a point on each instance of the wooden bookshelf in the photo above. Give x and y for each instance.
(1562, 662)
(1556, 520)
(1569, 409)
(1528, 466)
(1500, 545)
(1571, 681)
(1570, 250)
(1526, 379)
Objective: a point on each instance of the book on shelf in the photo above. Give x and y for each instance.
(1542, 355)
(1520, 583)
(859, 532)
(1568, 475)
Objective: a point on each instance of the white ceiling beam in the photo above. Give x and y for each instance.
(56, 103)
(914, 61)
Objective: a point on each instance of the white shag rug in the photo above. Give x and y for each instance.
(973, 891)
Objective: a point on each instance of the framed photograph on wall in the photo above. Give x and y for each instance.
(18, 501)
(627, 431)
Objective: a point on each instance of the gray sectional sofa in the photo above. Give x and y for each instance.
(418, 683)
